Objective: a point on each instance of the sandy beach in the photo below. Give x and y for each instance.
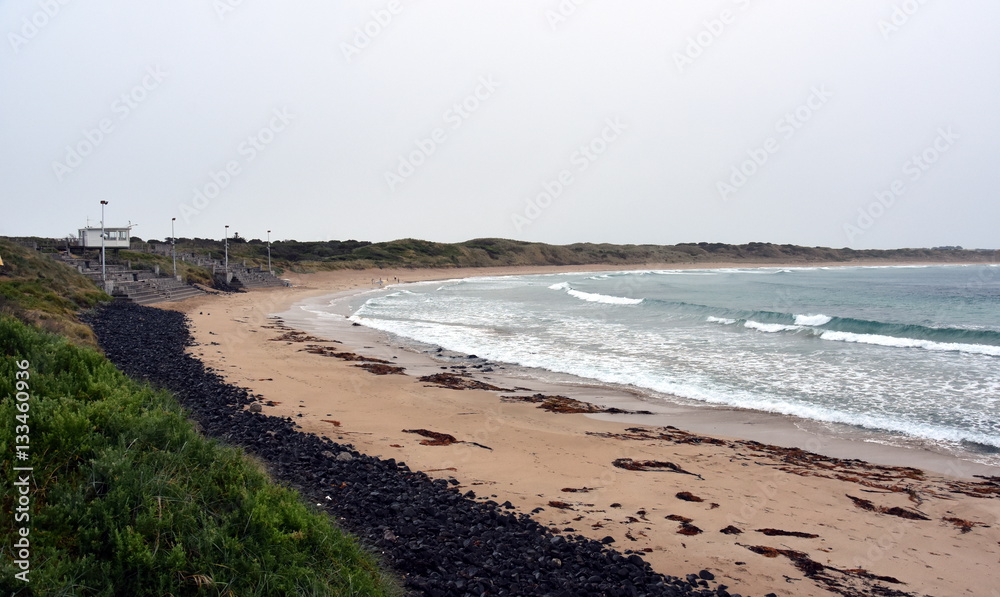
(763, 519)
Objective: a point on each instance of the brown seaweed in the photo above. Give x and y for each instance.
(650, 465)
(459, 382)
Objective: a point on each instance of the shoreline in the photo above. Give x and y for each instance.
(835, 440)
(428, 537)
(514, 452)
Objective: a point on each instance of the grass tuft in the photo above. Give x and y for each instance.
(46, 293)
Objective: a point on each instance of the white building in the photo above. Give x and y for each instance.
(114, 238)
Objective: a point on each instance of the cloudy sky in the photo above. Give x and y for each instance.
(862, 123)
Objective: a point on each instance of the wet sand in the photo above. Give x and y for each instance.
(628, 477)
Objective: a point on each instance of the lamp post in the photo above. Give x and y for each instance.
(104, 274)
(227, 250)
(173, 245)
(269, 252)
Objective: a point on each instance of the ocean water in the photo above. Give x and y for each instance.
(910, 353)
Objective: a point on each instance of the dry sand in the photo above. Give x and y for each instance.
(516, 452)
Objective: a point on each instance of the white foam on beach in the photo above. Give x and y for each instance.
(812, 320)
(985, 349)
(524, 351)
(664, 347)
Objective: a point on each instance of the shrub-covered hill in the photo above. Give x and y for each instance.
(319, 255)
(46, 293)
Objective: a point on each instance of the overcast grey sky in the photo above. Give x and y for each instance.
(862, 123)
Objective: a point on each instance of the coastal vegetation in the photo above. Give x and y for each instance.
(45, 293)
(124, 496)
(312, 256)
(189, 272)
(485, 252)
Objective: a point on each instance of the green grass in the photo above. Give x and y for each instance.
(46, 293)
(128, 499)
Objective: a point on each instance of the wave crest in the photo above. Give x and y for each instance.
(722, 320)
(603, 298)
(813, 320)
(893, 341)
(595, 298)
(770, 328)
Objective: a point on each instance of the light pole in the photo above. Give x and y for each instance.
(227, 250)
(269, 251)
(104, 274)
(173, 245)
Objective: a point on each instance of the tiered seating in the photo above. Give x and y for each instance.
(155, 290)
(254, 277)
(144, 287)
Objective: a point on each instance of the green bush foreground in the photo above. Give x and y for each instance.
(128, 499)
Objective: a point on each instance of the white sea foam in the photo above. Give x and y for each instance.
(770, 328)
(812, 320)
(603, 298)
(911, 343)
(722, 320)
(595, 298)
(683, 272)
(523, 350)
(918, 389)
